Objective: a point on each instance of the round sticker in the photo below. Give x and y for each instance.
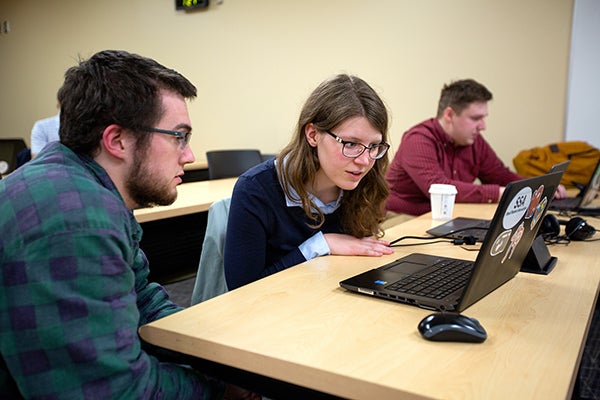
(517, 208)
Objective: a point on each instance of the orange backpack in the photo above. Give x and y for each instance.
(538, 160)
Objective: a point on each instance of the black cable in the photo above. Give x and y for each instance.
(393, 242)
(464, 240)
(566, 213)
(419, 244)
(552, 240)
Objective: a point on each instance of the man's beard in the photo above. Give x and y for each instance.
(142, 185)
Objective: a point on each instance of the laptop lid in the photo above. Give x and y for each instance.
(560, 167)
(591, 190)
(461, 227)
(512, 232)
(584, 198)
(508, 240)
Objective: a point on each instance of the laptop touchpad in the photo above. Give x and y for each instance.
(412, 263)
(405, 267)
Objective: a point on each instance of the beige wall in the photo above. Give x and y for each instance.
(255, 61)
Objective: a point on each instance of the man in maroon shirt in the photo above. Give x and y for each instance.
(449, 149)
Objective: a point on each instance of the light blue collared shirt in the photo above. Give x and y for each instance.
(316, 245)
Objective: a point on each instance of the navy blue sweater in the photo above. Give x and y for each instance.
(263, 233)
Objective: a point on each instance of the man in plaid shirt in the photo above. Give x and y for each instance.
(73, 280)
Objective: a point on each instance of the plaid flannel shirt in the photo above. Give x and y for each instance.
(74, 290)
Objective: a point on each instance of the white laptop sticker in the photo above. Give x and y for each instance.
(517, 207)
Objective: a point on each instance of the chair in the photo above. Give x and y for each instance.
(231, 163)
(210, 279)
(23, 157)
(9, 149)
(266, 157)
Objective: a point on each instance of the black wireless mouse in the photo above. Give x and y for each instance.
(451, 327)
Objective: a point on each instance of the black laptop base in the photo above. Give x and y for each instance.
(589, 211)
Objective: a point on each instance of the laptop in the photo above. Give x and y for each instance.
(9, 150)
(583, 199)
(507, 242)
(461, 227)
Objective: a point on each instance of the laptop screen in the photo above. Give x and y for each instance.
(591, 191)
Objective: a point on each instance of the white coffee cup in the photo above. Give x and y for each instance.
(442, 201)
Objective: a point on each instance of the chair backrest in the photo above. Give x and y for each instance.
(9, 148)
(210, 279)
(266, 157)
(231, 163)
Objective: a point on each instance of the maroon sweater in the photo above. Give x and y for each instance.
(428, 155)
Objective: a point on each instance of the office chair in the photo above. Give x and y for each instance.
(210, 279)
(266, 157)
(231, 163)
(9, 149)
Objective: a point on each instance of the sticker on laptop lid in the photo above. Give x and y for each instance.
(517, 208)
(514, 242)
(500, 243)
(535, 200)
(539, 211)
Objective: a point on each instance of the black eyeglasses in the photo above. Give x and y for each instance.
(354, 150)
(183, 137)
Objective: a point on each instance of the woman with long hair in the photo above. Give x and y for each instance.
(324, 193)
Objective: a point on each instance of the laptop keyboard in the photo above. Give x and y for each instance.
(437, 281)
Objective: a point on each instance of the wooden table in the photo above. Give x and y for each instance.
(191, 198)
(299, 326)
(173, 235)
(202, 164)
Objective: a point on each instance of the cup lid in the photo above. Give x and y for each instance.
(442, 188)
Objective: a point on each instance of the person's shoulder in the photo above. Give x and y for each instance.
(59, 177)
(259, 180)
(427, 126)
(425, 129)
(53, 120)
(263, 172)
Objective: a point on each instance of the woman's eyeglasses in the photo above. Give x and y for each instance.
(354, 150)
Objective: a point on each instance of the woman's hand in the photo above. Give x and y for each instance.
(347, 245)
